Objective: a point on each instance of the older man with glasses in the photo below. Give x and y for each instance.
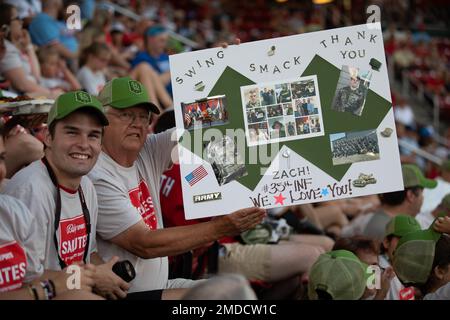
(126, 178)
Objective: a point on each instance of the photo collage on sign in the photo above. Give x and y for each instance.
(282, 111)
(204, 113)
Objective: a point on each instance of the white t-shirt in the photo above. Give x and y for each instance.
(128, 195)
(19, 256)
(91, 81)
(425, 219)
(433, 197)
(51, 83)
(396, 285)
(443, 293)
(14, 59)
(33, 186)
(404, 115)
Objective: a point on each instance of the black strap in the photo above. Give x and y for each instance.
(86, 215)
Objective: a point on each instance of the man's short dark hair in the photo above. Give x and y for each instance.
(397, 197)
(356, 243)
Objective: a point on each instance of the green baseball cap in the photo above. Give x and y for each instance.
(414, 255)
(122, 93)
(401, 225)
(69, 102)
(339, 273)
(413, 177)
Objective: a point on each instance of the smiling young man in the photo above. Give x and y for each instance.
(126, 178)
(61, 198)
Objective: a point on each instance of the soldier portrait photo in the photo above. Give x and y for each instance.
(351, 90)
(252, 98)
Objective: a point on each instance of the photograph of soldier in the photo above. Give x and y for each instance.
(283, 92)
(274, 111)
(303, 125)
(258, 132)
(267, 96)
(288, 110)
(207, 113)
(225, 160)
(256, 115)
(301, 108)
(277, 128)
(252, 98)
(302, 89)
(349, 147)
(351, 90)
(315, 124)
(290, 126)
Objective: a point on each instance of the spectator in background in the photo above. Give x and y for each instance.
(47, 30)
(26, 8)
(404, 114)
(432, 197)
(21, 69)
(367, 251)
(426, 218)
(325, 285)
(396, 228)
(92, 74)
(54, 71)
(406, 202)
(155, 40)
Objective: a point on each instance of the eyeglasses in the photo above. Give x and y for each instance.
(129, 117)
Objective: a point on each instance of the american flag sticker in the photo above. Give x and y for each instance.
(196, 175)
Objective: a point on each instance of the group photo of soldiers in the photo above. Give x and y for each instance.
(352, 147)
(207, 113)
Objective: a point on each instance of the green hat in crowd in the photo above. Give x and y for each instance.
(340, 274)
(401, 225)
(414, 255)
(445, 166)
(413, 177)
(122, 93)
(72, 101)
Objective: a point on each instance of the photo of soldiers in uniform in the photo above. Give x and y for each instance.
(274, 111)
(267, 96)
(305, 107)
(283, 93)
(349, 147)
(225, 160)
(209, 112)
(288, 110)
(290, 126)
(256, 115)
(258, 132)
(315, 124)
(302, 89)
(351, 90)
(252, 99)
(277, 129)
(303, 125)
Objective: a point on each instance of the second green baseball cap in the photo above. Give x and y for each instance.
(72, 101)
(124, 92)
(413, 177)
(414, 255)
(339, 273)
(401, 225)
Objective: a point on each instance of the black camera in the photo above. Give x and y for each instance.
(125, 270)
